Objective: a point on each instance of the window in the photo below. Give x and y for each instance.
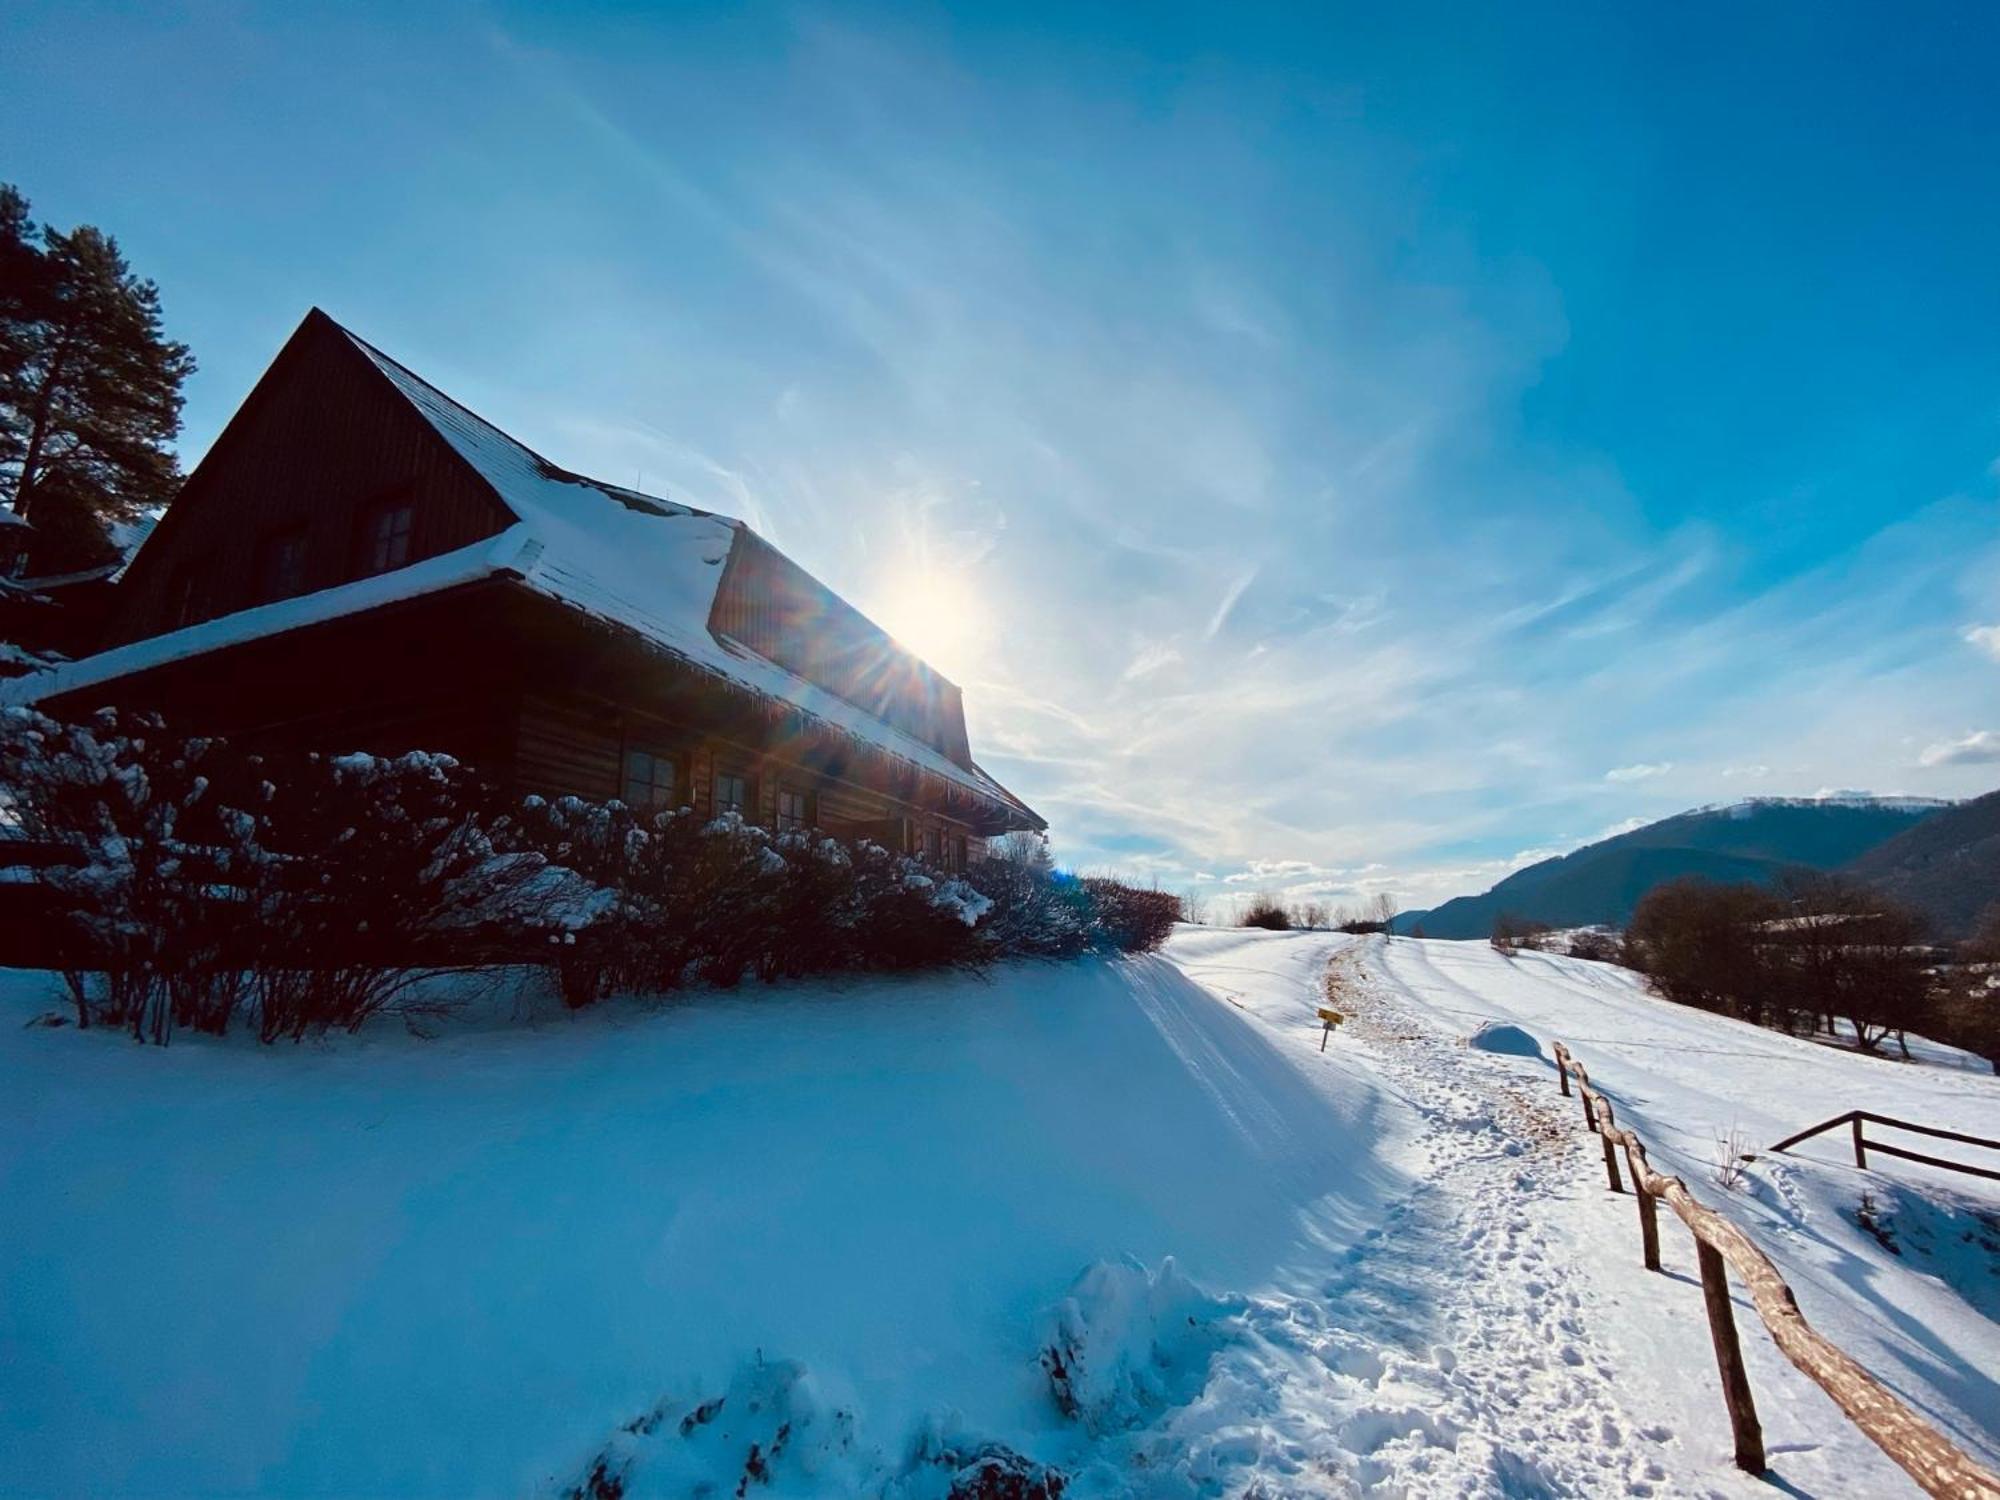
(651, 781)
(958, 851)
(281, 565)
(933, 847)
(732, 793)
(794, 810)
(385, 540)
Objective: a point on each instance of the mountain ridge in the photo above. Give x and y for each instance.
(1947, 867)
(1753, 839)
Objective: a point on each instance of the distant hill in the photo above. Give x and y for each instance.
(1745, 841)
(1947, 866)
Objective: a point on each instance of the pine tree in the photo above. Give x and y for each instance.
(90, 387)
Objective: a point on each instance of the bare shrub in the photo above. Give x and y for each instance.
(1266, 911)
(1512, 933)
(1596, 945)
(1731, 1156)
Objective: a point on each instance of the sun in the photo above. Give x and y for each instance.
(937, 612)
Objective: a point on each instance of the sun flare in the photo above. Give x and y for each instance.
(937, 612)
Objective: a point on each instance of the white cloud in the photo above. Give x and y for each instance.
(1276, 869)
(1977, 748)
(1150, 659)
(1984, 638)
(1643, 771)
(1756, 773)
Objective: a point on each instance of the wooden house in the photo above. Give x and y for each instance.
(360, 563)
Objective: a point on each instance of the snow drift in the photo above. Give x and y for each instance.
(461, 1267)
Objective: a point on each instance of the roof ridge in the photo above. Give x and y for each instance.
(631, 498)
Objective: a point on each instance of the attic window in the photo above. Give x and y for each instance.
(385, 543)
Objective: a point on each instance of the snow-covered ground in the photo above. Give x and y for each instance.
(874, 1218)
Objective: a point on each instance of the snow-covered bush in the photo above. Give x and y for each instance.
(709, 901)
(376, 872)
(1036, 910)
(199, 884)
(1128, 1343)
(142, 866)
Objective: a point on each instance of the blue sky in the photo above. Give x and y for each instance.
(1338, 452)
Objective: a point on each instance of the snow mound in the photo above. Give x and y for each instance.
(773, 1429)
(1508, 1041)
(1127, 1344)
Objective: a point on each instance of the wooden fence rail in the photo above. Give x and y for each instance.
(1938, 1465)
(1855, 1118)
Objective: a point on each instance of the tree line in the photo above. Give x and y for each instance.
(1815, 954)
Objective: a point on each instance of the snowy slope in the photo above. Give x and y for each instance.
(457, 1267)
(860, 1214)
(1922, 1319)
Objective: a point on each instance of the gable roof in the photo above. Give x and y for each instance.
(637, 562)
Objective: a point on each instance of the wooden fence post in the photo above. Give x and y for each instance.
(1860, 1148)
(1611, 1165)
(1743, 1422)
(1562, 1068)
(1604, 1133)
(1649, 1222)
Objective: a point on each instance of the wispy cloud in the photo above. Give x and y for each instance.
(1230, 598)
(1978, 748)
(1288, 547)
(1639, 771)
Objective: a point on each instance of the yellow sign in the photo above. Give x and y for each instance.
(1331, 1017)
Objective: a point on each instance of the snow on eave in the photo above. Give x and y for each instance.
(494, 555)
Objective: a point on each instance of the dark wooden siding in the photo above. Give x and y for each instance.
(320, 441)
(772, 605)
(567, 747)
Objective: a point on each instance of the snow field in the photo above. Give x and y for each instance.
(1119, 1217)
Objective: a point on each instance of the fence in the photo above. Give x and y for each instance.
(1938, 1465)
(1856, 1118)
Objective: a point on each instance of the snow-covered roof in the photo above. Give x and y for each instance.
(483, 559)
(644, 563)
(129, 536)
(632, 560)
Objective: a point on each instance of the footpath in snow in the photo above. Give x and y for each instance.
(1120, 1218)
